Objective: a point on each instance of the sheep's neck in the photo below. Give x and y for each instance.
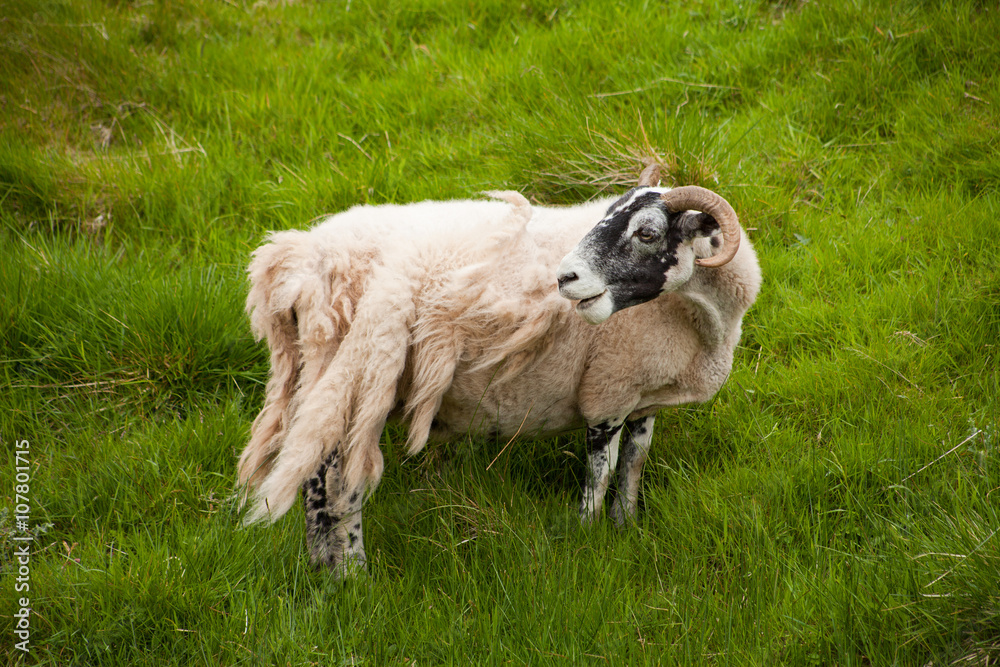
(711, 315)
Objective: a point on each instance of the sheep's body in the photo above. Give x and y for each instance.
(449, 309)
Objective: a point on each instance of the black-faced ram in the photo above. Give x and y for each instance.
(451, 312)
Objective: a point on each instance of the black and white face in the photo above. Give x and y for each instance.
(638, 251)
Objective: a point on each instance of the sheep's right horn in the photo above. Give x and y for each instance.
(694, 198)
(650, 176)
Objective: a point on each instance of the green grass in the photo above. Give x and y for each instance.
(837, 503)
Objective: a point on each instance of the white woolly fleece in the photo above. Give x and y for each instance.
(450, 310)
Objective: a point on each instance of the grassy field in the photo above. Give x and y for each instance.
(838, 503)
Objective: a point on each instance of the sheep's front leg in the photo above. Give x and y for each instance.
(333, 520)
(602, 455)
(636, 437)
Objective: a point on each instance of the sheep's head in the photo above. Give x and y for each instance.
(644, 247)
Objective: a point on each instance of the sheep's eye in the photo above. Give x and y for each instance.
(645, 235)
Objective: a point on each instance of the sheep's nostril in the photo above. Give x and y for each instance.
(566, 278)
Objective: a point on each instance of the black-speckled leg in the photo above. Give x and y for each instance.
(636, 438)
(333, 520)
(602, 455)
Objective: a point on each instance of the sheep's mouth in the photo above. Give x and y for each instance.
(589, 301)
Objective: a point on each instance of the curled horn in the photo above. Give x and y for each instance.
(694, 198)
(650, 176)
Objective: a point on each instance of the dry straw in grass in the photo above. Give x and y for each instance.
(608, 166)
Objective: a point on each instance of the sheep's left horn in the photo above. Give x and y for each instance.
(650, 176)
(694, 198)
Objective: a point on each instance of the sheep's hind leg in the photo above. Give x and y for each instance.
(637, 435)
(602, 455)
(333, 520)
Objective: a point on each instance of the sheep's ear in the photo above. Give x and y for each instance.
(697, 225)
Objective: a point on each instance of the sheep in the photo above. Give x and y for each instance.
(476, 316)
